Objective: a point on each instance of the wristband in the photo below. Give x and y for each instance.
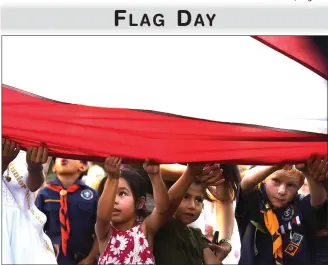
(225, 241)
(35, 170)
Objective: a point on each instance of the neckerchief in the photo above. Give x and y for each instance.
(63, 217)
(272, 224)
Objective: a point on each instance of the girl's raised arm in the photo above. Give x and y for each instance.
(159, 215)
(107, 199)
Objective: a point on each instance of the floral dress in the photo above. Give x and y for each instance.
(127, 247)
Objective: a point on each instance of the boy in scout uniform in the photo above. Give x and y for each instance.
(274, 221)
(71, 208)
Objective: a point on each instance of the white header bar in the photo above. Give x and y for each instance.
(282, 17)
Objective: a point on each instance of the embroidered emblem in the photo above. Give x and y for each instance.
(291, 249)
(87, 194)
(288, 213)
(297, 220)
(297, 239)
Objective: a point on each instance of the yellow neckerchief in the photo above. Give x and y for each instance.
(272, 224)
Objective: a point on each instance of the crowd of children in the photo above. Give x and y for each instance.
(115, 224)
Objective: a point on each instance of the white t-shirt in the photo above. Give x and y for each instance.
(23, 239)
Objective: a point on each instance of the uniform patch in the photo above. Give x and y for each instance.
(291, 249)
(288, 213)
(301, 196)
(87, 194)
(297, 239)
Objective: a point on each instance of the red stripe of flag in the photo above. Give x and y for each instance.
(92, 133)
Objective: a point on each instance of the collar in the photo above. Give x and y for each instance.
(264, 200)
(56, 181)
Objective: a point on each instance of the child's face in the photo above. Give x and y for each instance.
(124, 207)
(65, 166)
(282, 188)
(191, 206)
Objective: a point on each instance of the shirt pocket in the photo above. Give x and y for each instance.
(52, 208)
(87, 213)
(87, 207)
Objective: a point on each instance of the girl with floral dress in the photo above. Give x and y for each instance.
(122, 239)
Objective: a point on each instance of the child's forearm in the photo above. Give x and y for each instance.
(225, 218)
(317, 192)
(180, 187)
(35, 180)
(172, 172)
(224, 193)
(255, 176)
(107, 200)
(94, 250)
(161, 197)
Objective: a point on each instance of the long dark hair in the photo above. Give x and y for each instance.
(136, 184)
(232, 177)
(143, 174)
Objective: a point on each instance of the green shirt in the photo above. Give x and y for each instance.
(176, 243)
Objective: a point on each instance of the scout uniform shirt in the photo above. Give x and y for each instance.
(176, 243)
(81, 217)
(293, 226)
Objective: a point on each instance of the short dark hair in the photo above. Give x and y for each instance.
(169, 184)
(83, 161)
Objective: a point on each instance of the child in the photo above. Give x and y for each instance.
(176, 243)
(122, 239)
(273, 219)
(70, 207)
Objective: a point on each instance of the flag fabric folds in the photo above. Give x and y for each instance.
(246, 100)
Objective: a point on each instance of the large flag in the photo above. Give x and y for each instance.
(246, 100)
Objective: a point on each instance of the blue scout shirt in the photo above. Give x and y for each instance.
(296, 222)
(82, 211)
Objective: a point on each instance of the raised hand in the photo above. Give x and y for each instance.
(316, 167)
(196, 169)
(151, 169)
(10, 150)
(112, 166)
(221, 251)
(35, 157)
(211, 175)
